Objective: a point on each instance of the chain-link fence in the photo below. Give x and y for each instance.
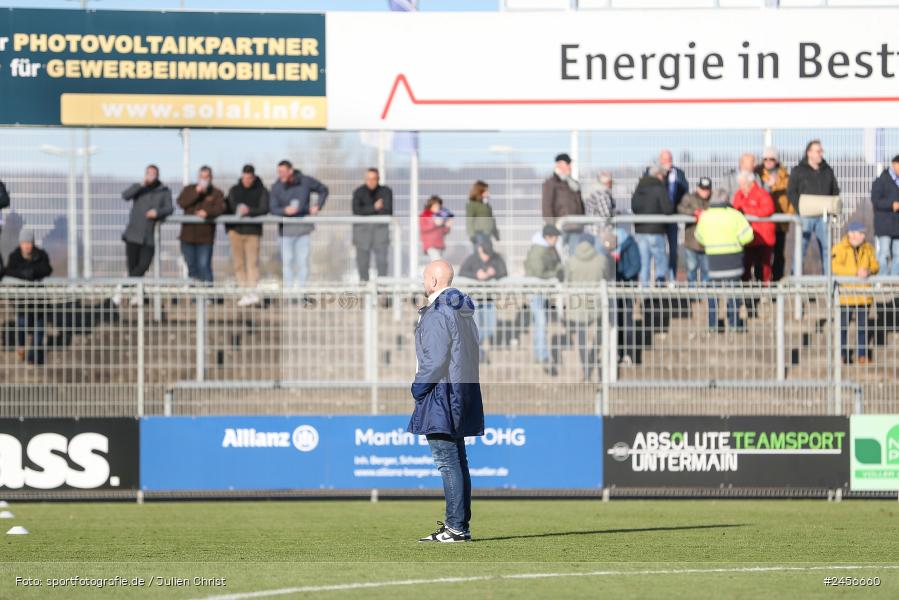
(609, 349)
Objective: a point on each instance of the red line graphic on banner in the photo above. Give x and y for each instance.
(401, 79)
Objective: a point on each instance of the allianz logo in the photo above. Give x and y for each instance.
(304, 438)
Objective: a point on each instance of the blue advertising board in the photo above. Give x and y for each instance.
(352, 452)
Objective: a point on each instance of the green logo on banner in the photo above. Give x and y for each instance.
(867, 451)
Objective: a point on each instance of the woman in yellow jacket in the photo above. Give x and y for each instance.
(854, 257)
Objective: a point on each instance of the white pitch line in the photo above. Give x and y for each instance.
(400, 582)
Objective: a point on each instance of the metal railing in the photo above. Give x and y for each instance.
(70, 350)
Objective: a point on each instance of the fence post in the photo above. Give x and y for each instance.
(781, 360)
(797, 265)
(371, 342)
(603, 407)
(157, 270)
(201, 337)
(837, 354)
(140, 350)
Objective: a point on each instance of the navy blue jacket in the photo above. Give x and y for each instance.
(883, 193)
(681, 186)
(299, 187)
(447, 387)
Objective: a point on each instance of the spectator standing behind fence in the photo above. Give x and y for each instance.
(854, 257)
(651, 199)
(151, 202)
(627, 269)
(586, 268)
(542, 262)
(562, 197)
(723, 232)
(434, 225)
(291, 196)
(31, 264)
(752, 200)
(485, 264)
(204, 200)
(676, 185)
(693, 204)
(885, 198)
(775, 180)
(372, 199)
(746, 162)
(479, 221)
(248, 198)
(4, 203)
(813, 176)
(600, 204)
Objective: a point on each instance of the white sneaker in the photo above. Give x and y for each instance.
(447, 535)
(136, 301)
(244, 301)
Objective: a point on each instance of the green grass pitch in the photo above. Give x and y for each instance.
(523, 549)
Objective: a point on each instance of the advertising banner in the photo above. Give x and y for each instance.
(351, 452)
(69, 454)
(162, 69)
(875, 453)
(726, 451)
(614, 69)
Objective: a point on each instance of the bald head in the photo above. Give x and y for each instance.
(438, 274)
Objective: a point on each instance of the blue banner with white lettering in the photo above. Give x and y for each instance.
(347, 452)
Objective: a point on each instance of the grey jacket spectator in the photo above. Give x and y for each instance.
(689, 205)
(155, 196)
(299, 189)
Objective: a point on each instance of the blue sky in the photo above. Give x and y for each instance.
(258, 5)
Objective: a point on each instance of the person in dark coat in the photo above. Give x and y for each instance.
(31, 264)
(885, 198)
(248, 198)
(485, 264)
(291, 196)
(204, 200)
(151, 202)
(676, 185)
(651, 198)
(372, 199)
(4, 202)
(627, 269)
(447, 393)
(562, 197)
(813, 176)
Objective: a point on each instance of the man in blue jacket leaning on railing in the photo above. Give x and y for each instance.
(447, 392)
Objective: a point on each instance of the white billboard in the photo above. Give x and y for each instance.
(613, 70)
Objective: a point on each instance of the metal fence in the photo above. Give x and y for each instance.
(71, 350)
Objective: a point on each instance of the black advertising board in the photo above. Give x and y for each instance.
(726, 451)
(69, 454)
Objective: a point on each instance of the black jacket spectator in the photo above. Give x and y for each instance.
(806, 180)
(473, 264)
(376, 235)
(4, 196)
(651, 198)
(884, 193)
(33, 269)
(255, 198)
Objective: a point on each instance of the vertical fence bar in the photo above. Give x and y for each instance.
(86, 268)
(140, 350)
(201, 337)
(604, 303)
(413, 213)
(157, 270)
(836, 355)
(72, 212)
(370, 325)
(780, 333)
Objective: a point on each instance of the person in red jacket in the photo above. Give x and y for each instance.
(751, 199)
(434, 225)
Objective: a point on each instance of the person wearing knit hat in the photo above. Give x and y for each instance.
(30, 264)
(774, 179)
(854, 257)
